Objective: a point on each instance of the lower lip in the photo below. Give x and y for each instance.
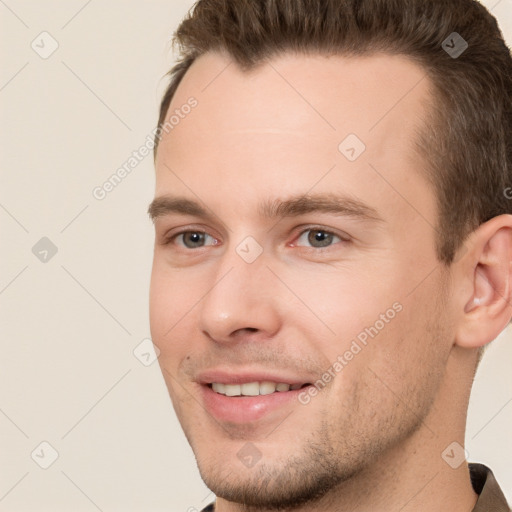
(245, 409)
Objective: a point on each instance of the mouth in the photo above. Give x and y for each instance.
(246, 397)
(248, 389)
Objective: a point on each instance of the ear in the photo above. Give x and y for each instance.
(486, 270)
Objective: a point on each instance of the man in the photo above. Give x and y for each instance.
(333, 248)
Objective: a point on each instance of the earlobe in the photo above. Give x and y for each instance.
(489, 269)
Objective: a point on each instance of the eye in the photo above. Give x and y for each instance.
(194, 239)
(317, 238)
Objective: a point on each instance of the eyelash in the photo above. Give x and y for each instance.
(343, 237)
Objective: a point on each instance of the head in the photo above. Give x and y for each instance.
(332, 214)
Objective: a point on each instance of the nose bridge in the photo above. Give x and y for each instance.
(239, 296)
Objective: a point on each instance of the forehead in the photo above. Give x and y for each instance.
(284, 124)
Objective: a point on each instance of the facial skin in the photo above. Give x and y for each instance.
(372, 438)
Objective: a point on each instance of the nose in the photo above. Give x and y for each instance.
(241, 301)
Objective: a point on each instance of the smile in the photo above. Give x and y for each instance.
(253, 388)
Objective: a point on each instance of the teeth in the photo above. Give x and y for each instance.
(232, 389)
(252, 388)
(266, 388)
(218, 387)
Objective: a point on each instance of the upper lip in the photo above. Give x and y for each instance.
(243, 377)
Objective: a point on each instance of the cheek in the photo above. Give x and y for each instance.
(406, 357)
(342, 306)
(169, 305)
(173, 293)
(370, 322)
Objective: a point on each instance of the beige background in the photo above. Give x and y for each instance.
(68, 374)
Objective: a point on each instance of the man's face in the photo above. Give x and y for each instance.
(300, 254)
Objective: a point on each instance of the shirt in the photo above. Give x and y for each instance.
(490, 496)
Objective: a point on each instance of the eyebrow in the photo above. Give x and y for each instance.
(341, 205)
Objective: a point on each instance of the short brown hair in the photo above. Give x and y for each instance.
(466, 141)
